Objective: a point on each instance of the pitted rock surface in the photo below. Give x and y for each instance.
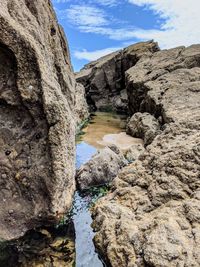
(37, 120)
(101, 169)
(152, 215)
(143, 125)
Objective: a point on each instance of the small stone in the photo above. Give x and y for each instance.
(4, 176)
(11, 212)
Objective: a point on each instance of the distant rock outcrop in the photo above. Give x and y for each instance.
(152, 216)
(37, 118)
(104, 79)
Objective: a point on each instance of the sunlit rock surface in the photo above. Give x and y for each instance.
(152, 216)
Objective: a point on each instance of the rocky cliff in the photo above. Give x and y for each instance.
(104, 79)
(152, 215)
(37, 126)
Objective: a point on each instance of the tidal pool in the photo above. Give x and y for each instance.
(100, 125)
(69, 244)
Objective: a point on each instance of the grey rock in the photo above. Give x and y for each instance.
(134, 152)
(143, 125)
(152, 216)
(81, 107)
(101, 169)
(104, 79)
(37, 119)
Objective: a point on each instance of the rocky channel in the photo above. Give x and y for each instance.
(150, 216)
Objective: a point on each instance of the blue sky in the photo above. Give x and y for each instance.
(97, 27)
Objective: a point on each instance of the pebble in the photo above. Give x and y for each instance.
(11, 212)
(4, 176)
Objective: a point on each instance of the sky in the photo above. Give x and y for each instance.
(95, 28)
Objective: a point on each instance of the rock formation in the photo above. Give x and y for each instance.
(37, 126)
(143, 125)
(81, 107)
(101, 169)
(104, 79)
(152, 215)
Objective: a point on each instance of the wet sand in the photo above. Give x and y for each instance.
(121, 140)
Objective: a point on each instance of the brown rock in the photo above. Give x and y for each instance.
(81, 107)
(37, 129)
(143, 125)
(101, 169)
(152, 216)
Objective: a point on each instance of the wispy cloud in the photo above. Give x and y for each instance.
(106, 2)
(182, 20)
(85, 15)
(180, 23)
(180, 26)
(94, 55)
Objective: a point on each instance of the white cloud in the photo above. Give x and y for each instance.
(181, 26)
(94, 55)
(114, 34)
(106, 2)
(85, 15)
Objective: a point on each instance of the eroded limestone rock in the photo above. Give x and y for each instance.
(104, 79)
(152, 217)
(37, 125)
(81, 107)
(101, 169)
(143, 125)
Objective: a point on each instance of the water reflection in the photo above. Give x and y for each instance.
(84, 152)
(85, 250)
(101, 124)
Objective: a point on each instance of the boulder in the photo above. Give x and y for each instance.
(143, 125)
(152, 216)
(37, 125)
(101, 169)
(104, 79)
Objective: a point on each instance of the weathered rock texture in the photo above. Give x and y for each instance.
(143, 125)
(133, 153)
(101, 169)
(152, 216)
(81, 107)
(104, 79)
(37, 126)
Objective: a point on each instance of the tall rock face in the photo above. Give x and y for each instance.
(37, 127)
(152, 216)
(104, 79)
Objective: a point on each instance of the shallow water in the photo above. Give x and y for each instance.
(101, 125)
(70, 243)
